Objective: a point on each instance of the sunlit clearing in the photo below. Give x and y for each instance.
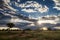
(44, 28)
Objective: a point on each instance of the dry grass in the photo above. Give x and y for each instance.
(30, 35)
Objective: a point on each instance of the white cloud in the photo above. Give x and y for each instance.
(6, 2)
(28, 10)
(45, 9)
(32, 6)
(18, 0)
(43, 0)
(57, 6)
(35, 7)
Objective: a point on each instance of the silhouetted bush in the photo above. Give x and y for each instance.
(10, 25)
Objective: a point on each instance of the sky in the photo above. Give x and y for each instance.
(35, 8)
(32, 8)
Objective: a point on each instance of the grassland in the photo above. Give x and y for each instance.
(30, 35)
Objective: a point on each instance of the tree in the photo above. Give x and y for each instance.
(10, 25)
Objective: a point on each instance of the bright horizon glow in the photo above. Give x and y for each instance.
(46, 21)
(13, 28)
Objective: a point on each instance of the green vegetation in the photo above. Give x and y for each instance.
(30, 35)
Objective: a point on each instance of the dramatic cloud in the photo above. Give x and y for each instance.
(28, 6)
(7, 3)
(57, 6)
(32, 6)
